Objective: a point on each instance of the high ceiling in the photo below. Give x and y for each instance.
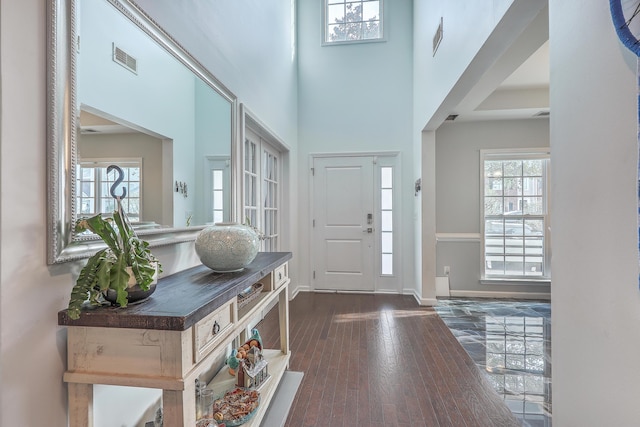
(517, 85)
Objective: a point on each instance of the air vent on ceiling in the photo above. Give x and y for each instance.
(542, 114)
(124, 59)
(451, 117)
(437, 38)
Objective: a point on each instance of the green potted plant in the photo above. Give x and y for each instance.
(108, 273)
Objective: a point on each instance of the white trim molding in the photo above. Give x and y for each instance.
(501, 295)
(427, 302)
(458, 237)
(297, 290)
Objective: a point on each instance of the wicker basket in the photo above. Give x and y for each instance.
(249, 294)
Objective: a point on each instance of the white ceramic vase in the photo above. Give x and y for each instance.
(227, 246)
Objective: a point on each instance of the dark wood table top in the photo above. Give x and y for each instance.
(181, 299)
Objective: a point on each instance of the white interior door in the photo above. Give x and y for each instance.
(343, 231)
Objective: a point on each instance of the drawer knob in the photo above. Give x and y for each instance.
(216, 327)
(280, 275)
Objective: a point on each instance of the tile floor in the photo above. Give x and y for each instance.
(510, 341)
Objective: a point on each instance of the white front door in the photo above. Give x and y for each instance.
(343, 232)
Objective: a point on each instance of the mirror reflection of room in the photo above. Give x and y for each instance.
(101, 143)
(142, 109)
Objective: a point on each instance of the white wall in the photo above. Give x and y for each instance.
(356, 98)
(32, 346)
(594, 151)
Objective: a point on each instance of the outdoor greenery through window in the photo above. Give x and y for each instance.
(94, 184)
(515, 215)
(350, 21)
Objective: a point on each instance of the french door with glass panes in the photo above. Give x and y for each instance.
(262, 189)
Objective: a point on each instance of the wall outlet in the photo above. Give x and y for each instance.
(447, 270)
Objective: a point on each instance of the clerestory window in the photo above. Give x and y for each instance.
(348, 21)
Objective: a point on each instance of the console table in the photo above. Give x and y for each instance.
(169, 340)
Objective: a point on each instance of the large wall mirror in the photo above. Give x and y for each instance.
(121, 91)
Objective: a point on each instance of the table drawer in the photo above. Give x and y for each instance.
(210, 330)
(280, 275)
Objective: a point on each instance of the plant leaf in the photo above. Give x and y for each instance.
(125, 233)
(86, 284)
(118, 278)
(102, 228)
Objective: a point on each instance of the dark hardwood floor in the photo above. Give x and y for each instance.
(381, 361)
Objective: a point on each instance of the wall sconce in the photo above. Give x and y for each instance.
(418, 185)
(181, 187)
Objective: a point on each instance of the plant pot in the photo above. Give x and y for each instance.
(227, 247)
(135, 294)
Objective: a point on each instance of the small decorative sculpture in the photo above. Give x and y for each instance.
(255, 335)
(233, 362)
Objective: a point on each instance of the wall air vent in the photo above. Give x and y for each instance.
(437, 38)
(124, 59)
(451, 117)
(542, 114)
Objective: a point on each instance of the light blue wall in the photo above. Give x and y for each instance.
(212, 134)
(355, 98)
(250, 46)
(466, 27)
(247, 45)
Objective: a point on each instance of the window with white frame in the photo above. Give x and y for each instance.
(515, 217)
(94, 185)
(352, 21)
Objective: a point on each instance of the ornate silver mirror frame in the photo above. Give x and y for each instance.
(62, 129)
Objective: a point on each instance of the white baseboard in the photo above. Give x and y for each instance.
(297, 290)
(421, 301)
(427, 302)
(490, 294)
(424, 302)
(413, 293)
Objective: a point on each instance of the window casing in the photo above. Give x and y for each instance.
(94, 184)
(515, 220)
(348, 21)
